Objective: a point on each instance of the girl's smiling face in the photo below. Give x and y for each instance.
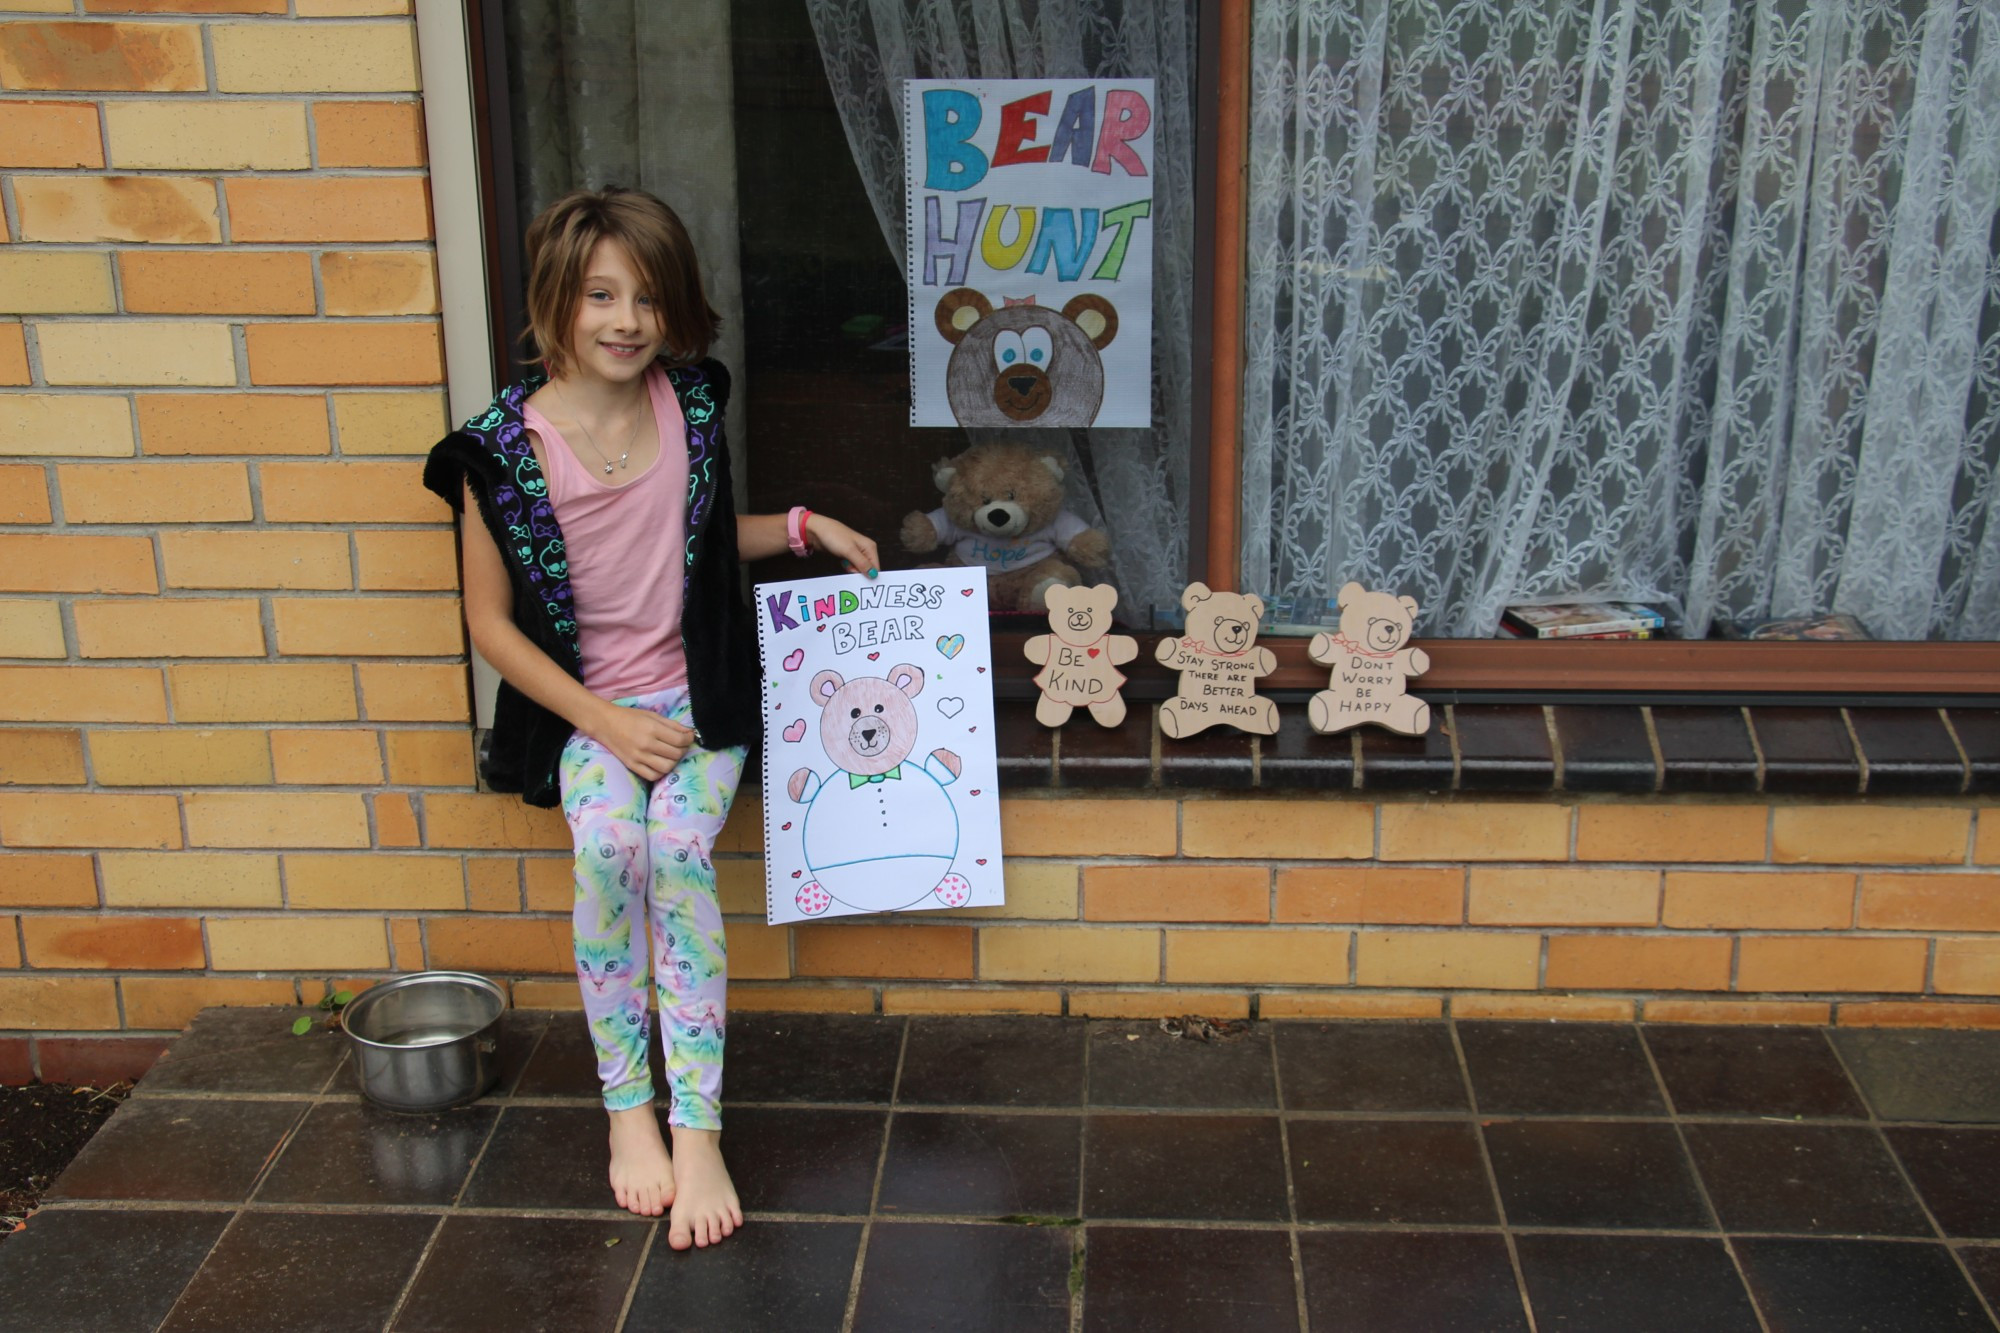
(618, 330)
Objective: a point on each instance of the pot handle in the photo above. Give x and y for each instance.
(487, 1045)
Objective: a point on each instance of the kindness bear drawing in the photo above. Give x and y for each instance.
(880, 833)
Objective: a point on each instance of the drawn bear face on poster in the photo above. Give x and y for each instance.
(1025, 364)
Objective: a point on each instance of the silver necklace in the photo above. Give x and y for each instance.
(603, 457)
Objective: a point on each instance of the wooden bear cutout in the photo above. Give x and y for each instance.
(1371, 663)
(1219, 661)
(1080, 660)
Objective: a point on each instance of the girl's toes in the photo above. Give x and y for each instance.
(679, 1237)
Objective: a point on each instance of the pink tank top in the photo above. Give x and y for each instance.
(626, 546)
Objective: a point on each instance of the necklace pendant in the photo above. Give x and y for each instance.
(607, 468)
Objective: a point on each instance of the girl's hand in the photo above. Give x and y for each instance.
(855, 551)
(647, 744)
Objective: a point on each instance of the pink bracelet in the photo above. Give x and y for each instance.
(795, 530)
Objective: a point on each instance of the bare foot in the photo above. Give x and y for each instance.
(642, 1175)
(705, 1207)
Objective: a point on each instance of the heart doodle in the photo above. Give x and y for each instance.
(1095, 651)
(982, 671)
(874, 656)
(795, 659)
(795, 874)
(950, 706)
(951, 645)
(982, 860)
(796, 730)
(975, 791)
(786, 826)
(965, 592)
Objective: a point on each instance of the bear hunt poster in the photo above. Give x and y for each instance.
(1030, 251)
(881, 777)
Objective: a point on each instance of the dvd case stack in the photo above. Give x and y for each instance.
(1582, 620)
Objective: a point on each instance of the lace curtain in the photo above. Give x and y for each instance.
(1685, 301)
(1133, 482)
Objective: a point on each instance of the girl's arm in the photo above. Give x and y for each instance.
(647, 744)
(762, 535)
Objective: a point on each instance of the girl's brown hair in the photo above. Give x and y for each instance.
(560, 243)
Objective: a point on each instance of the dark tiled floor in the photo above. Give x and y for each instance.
(1031, 1174)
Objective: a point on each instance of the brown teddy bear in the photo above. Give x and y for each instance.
(1219, 662)
(1003, 509)
(1371, 665)
(1080, 660)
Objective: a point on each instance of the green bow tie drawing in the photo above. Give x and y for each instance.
(862, 779)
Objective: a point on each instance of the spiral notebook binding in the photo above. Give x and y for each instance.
(764, 765)
(910, 224)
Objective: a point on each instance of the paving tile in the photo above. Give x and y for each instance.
(564, 1062)
(812, 1058)
(1605, 748)
(1806, 751)
(1369, 1066)
(1503, 747)
(1217, 759)
(1812, 1179)
(1957, 1173)
(1409, 1282)
(1978, 731)
(90, 1271)
(247, 1050)
(1390, 762)
(980, 1165)
(1023, 743)
(1299, 757)
(1909, 751)
(996, 1061)
(1634, 1284)
(1752, 1071)
(303, 1273)
(1983, 1262)
(1858, 1286)
(485, 1273)
(1704, 748)
(1138, 1064)
(768, 1276)
(1925, 1075)
(1603, 1175)
(1560, 1069)
(545, 1157)
(351, 1152)
(970, 1279)
(1187, 1279)
(180, 1149)
(1120, 756)
(1200, 1168)
(1390, 1172)
(520, 1033)
(798, 1159)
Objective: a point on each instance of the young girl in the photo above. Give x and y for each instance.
(601, 580)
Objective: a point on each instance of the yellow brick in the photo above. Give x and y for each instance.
(415, 693)
(1542, 1008)
(180, 757)
(135, 943)
(389, 423)
(59, 562)
(233, 423)
(757, 952)
(197, 559)
(1280, 1004)
(395, 820)
(407, 561)
(55, 282)
(174, 627)
(1930, 902)
(366, 134)
(1157, 1003)
(366, 353)
(1279, 957)
(31, 629)
(276, 819)
(1985, 848)
(73, 694)
(1670, 832)
(1917, 1014)
(493, 883)
(263, 692)
(969, 1000)
(375, 880)
(1967, 966)
(379, 282)
(1638, 962)
(1830, 963)
(108, 57)
(42, 756)
(487, 944)
(1068, 953)
(349, 492)
(315, 58)
(809, 999)
(1563, 895)
(154, 492)
(297, 944)
(1720, 900)
(194, 282)
(207, 136)
(1878, 834)
(88, 819)
(350, 8)
(745, 830)
(73, 425)
(489, 822)
(1071, 826)
(406, 938)
(170, 1003)
(50, 134)
(1370, 895)
(1812, 1013)
(565, 995)
(739, 886)
(177, 210)
(69, 1004)
(369, 626)
(847, 949)
(328, 209)
(327, 758)
(1288, 830)
(1448, 958)
(13, 356)
(1035, 890)
(40, 6)
(1176, 893)
(1475, 831)
(190, 879)
(430, 758)
(24, 493)
(136, 352)
(28, 880)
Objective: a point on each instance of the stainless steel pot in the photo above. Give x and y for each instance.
(426, 1041)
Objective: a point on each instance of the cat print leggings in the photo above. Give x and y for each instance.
(650, 853)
